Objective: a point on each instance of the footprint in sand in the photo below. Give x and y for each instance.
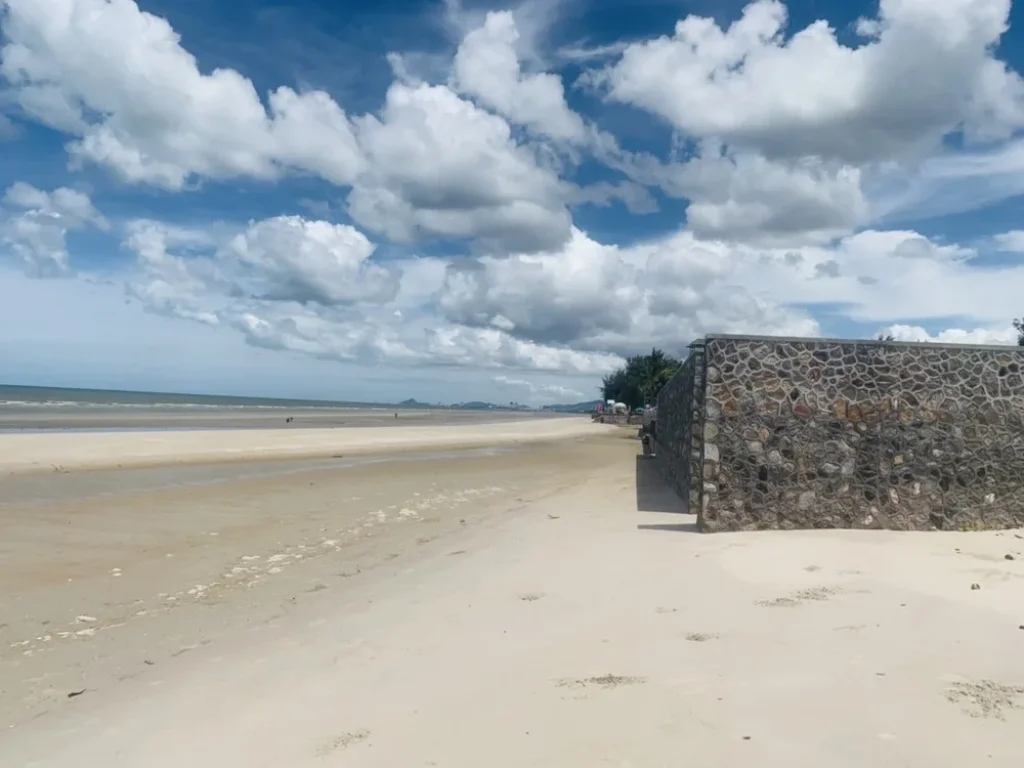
(702, 637)
(985, 698)
(814, 594)
(343, 741)
(604, 681)
(529, 597)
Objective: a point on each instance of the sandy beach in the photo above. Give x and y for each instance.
(35, 418)
(61, 451)
(524, 604)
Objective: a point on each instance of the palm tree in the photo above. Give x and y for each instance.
(640, 380)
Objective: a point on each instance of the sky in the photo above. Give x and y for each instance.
(456, 200)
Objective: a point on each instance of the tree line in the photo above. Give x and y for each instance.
(640, 380)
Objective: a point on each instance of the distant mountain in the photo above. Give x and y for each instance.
(473, 405)
(476, 405)
(414, 403)
(588, 407)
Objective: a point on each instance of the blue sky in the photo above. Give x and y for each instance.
(480, 200)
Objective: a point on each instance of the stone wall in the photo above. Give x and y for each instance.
(678, 429)
(801, 433)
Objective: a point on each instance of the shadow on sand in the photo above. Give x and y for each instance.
(653, 494)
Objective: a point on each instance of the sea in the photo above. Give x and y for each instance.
(14, 396)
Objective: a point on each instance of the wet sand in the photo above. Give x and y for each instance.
(543, 605)
(55, 451)
(36, 418)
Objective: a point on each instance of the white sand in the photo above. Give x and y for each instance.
(572, 626)
(99, 450)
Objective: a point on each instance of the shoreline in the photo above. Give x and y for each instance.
(49, 451)
(30, 419)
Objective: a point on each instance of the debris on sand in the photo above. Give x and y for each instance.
(985, 698)
(604, 681)
(701, 637)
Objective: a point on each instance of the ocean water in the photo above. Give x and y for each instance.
(13, 396)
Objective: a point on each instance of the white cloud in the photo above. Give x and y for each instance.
(593, 296)
(1010, 242)
(742, 196)
(309, 287)
(381, 337)
(310, 261)
(783, 148)
(289, 259)
(575, 311)
(35, 226)
(533, 19)
(441, 167)
(118, 79)
(947, 183)
(996, 336)
(668, 291)
(925, 69)
(170, 284)
(889, 276)
(431, 166)
(97, 340)
(540, 393)
(67, 205)
(746, 197)
(487, 68)
(634, 196)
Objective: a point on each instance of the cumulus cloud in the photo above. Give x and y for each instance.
(746, 197)
(996, 336)
(787, 149)
(487, 68)
(281, 259)
(375, 337)
(577, 309)
(888, 276)
(431, 165)
(441, 167)
(34, 225)
(671, 290)
(170, 280)
(548, 393)
(311, 287)
(1010, 242)
(743, 196)
(925, 68)
(310, 261)
(595, 296)
(118, 79)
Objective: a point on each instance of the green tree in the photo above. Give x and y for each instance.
(639, 381)
(1018, 325)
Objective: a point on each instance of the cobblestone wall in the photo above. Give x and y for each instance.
(842, 434)
(678, 429)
